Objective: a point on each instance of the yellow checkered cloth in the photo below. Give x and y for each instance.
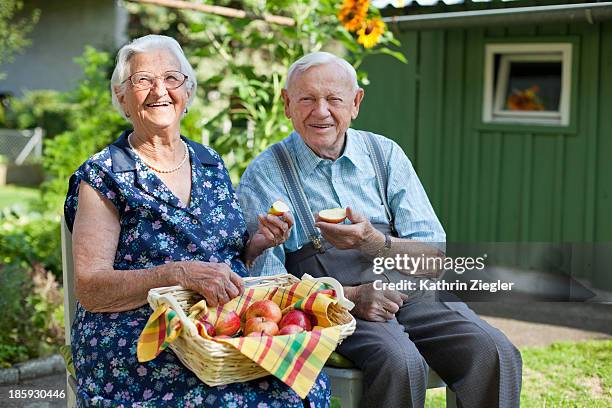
(295, 359)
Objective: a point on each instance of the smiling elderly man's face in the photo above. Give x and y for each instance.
(156, 107)
(321, 102)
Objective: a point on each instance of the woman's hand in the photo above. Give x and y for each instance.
(215, 281)
(273, 230)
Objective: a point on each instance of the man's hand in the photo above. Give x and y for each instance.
(349, 236)
(374, 305)
(273, 230)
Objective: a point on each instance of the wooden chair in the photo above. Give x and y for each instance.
(69, 305)
(346, 382)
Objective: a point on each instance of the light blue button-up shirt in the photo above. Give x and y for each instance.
(348, 181)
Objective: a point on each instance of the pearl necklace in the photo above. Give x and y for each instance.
(172, 170)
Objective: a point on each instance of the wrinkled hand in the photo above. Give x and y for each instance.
(348, 236)
(374, 305)
(216, 282)
(272, 231)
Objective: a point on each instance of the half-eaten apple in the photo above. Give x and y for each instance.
(278, 208)
(333, 215)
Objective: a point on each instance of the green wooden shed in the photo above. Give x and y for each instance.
(505, 109)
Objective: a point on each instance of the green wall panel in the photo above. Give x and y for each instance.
(502, 183)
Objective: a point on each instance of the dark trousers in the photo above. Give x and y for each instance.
(476, 360)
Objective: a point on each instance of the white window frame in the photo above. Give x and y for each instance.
(494, 94)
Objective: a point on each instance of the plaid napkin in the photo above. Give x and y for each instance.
(295, 359)
(161, 329)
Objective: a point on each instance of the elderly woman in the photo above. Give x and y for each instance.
(156, 209)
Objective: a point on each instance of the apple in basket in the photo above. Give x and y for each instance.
(266, 309)
(297, 318)
(291, 329)
(260, 325)
(210, 329)
(228, 325)
(278, 208)
(333, 215)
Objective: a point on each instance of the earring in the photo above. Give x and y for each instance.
(127, 115)
(186, 110)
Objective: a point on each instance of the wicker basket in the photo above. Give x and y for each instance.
(217, 363)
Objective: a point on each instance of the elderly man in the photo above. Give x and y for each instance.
(324, 164)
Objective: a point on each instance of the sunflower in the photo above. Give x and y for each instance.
(353, 13)
(369, 34)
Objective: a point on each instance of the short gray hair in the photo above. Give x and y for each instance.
(145, 44)
(321, 58)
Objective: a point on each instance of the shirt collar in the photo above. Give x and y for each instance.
(307, 160)
(355, 150)
(124, 160)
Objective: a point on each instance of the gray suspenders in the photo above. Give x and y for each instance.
(296, 193)
(298, 197)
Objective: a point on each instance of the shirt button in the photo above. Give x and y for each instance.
(194, 222)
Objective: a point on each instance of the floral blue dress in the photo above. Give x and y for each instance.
(156, 227)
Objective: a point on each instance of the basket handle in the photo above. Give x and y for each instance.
(185, 321)
(342, 300)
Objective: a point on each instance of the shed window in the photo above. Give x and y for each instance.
(527, 83)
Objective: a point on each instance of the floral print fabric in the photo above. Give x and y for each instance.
(156, 228)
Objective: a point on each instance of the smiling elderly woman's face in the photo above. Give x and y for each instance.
(154, 107)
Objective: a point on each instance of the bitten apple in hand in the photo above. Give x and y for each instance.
(352, 235)
(278, 208)
(333, 215)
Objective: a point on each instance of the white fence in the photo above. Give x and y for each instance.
(19, 145)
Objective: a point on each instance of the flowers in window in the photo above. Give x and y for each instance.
(525, 100)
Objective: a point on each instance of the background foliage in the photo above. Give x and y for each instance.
(31, 322)
(241, 67)
(14, 29)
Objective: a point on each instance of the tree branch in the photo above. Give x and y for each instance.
(219, 10)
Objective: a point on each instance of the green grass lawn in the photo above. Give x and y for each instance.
(561, 375)
(17, 196)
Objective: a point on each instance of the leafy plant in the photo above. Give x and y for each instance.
(31, 322)
(14, 29)
(39, 108)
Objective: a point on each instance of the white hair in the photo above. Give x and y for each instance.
(145, 44)
(321, 58)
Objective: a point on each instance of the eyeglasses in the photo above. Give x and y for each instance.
(145, 80)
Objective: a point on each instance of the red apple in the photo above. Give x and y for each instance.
(260, 325)
(229, 325)
(210, 329)
(291, 329)
(333, 215)
(266, 309)
(296, 317)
